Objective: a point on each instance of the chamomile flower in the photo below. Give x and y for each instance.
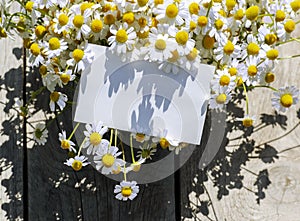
(80, 21)
(266, 35)
(122, 39)
(171, 12)
(62, 22)
(165, 140)
(285, 97)
(160, 46)
(126, 190)
(65, 143)
(54, 47)
(136, 166)
(140, 137)
(59, 98)
(36, 57)
(65, 77)
(97, 27)
(182, 40)
(40, 134)
(146, 151)
(226, 50)
(81, 57)
(285, 29)
(220, 98)
(251, 14)
(223, 79)
(106, 159)
(253, 47)
(49, 80)
(77, 162)
(247, 120)
(93, 136)
(268, 76)
(251, 71)
(192, 60)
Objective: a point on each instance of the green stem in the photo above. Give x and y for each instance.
(123, 154)
(111, 136)
(247, 99)
(116, 132)
(289, 57)
(74, 130)
(131, 149)
(81, 146)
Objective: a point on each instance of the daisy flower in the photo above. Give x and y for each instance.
(62, 22)
(146, 151)
(93, 136)
(126, 190)
(285, 97)
(285, 29)
(223, 79)
(35, 57)
(217, 25)
(77, 162)
(50, 80)
(54, 47)
(220, 99)
(266, 35)
(182, 40)
(81, 57)
(251, 71)
(171, 12)
(226, 50)
(165, 140)
(122, 39)
(80, 21)
(140, 137)
(253, 48)
(192, 60)
(268, 76)
(251, 14)
(106, 159)
(247, 120)
(65, 143)
(40, 134)
(97, 27)
(136, 166)
(59, 98)
(160, 45)
(65, 77)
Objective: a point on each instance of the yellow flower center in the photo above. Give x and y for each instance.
(239, 81)
(63, 19)
(126, 191)
(219, 24)
(34, 49)
(43, 70)
(194, 8)
(174, 57)
(295, 5)
(142, 22)
(222, 13)
(193, 25)
(85, 5)
(270, 77)
(96, 25)
(270, 39)
(252, 12)
(40, 31)
(78, 21)
(192, 55)
(128, 17)
(157, 2)
(95, 138)
(3, 33)
(164, 143)
(221, 98)
(29, 6)
(171, 11)
(54, 96)
(160, 44)
(78, 54)
(136, 166)
(239, 14)
(106, 8)
(140, 137)
(286, 100)
(280, 15)
(142, 3)
(143, 35)
(108, 160)
(65, 144)
(65, 78)
(208, 42)
(289, 26)
(109, 19)
(232, 71)
(117, 171)
(77, 165)
(224, 80)
(202, 21)
(252, 70)
(182, 37)
(229, 48)
(247, 122)
(54, 43)
(230, 4)
(272, 54)
(121, 36)
(252, 49)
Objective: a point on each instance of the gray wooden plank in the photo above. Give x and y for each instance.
(11, 150)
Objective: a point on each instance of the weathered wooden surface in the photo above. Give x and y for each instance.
(56, 192)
